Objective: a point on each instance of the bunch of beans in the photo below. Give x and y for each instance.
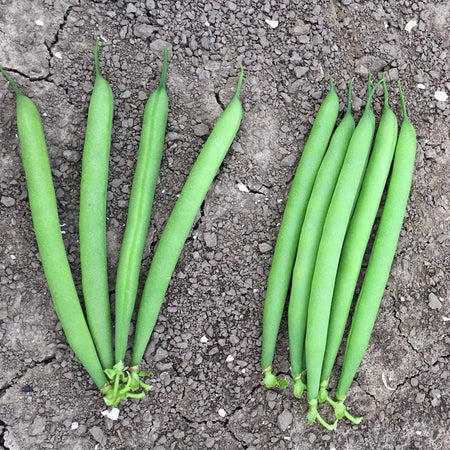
(328, 219)
(90, 336)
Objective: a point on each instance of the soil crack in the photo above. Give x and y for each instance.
(20, 374)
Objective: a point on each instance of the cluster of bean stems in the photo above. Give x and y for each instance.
(92, 339)
(327, 222)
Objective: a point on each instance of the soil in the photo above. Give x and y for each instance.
(208, 393)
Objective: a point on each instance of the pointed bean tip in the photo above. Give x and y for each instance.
(239, 84)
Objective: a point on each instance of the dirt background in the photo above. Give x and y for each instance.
(199, 400)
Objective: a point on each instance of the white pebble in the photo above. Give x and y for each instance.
(39, 22)
(206, 24)
(441, 96)
(112, 414)
(57, 55)
(410, 25)
(13, 257)
(242, 187)
(272, 23)
(420, 86)
(204, 340)
(229, 358)
(74, 426)
(222, 412)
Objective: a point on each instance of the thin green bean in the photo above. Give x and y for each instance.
(288, 235)
(381, 257)
(92, 222)
(309, 242)
(180, 221)
(41, 195)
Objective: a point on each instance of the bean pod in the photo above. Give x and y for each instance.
(381, 257)
(139, 210)
(92, 222)
(41, 195)
(288, 235)
(334, 229)
(309, 241)
(180, 221)
(358, 234)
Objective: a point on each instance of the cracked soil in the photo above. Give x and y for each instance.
(217, 290)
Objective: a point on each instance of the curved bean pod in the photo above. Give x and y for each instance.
(180, 221)
(92, 222)
(309, 241)
(288, 235)
(381, 257)
(41, 195)
(357, 236)
(139, 210)
(334, 229)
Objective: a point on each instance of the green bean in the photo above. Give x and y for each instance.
(357, 236)
(309, 242)
(334, 229)
(180, 222)
(41, 195)
(92, 223)
(288, 235)
(381, 257)
(139, 210)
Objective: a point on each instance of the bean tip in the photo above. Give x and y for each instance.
(239, 84)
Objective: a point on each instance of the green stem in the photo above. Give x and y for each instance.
(371, 92)
(97, 64)
(323, 393)
(402, 100)
(11, 82)
(298, 386)
(340, 411)
(270, 380)
(313, 414)
(162, 81)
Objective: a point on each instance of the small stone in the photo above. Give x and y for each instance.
(98, 435)
(264, 247)
(201, 129)
(150, 5)
(178, 434)
(263, 41)
(300, 71)
(210, 239)
(231, 6)
(8, 201)
(433, 301)
(435, 402)
(125, 94)
(229, 359)
(289, 160)
(284, 420)
(144, 31)
(420, 397)
(131, 9)
(160, 354)
(441, 96)
(37, 427)
(222, 412)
